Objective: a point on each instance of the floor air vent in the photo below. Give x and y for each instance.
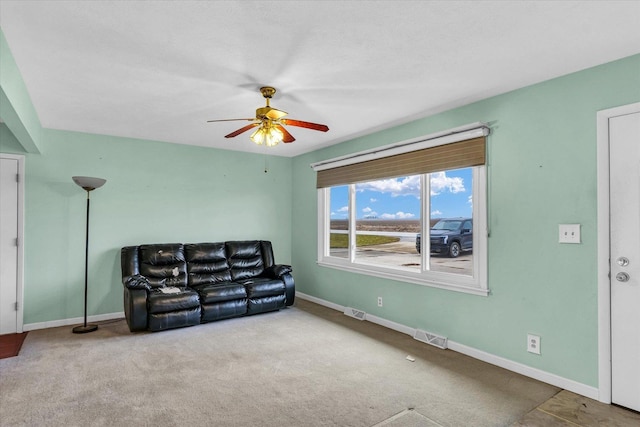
(429, 338)
(356, 314)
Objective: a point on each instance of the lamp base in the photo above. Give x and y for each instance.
(84, 329)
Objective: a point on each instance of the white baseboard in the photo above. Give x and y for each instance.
(389, 324)
(320, 301)
(528, 371)
(74, 321)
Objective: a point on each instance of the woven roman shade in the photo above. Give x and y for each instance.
(456, 155)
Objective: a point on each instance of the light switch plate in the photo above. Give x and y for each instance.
(569, 233)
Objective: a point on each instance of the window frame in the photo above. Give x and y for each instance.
(475, 284)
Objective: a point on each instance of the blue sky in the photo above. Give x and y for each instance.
(399, 198)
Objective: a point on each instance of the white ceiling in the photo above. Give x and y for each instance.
(159, 70)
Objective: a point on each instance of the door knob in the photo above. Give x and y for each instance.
(622, 261)
(622, 277)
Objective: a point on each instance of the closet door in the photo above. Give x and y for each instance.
(8, 246)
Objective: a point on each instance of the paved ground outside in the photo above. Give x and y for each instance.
(403, 254)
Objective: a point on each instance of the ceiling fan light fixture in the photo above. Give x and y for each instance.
(258, 136)
(274, 137)
(268, 135)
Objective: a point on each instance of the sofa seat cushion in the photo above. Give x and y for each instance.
(264, 304)
(224, 310)
(158, 302)
(174, 319)
(263, 287)
(219, 292)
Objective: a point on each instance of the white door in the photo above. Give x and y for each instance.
(624, 181)
(8, 246)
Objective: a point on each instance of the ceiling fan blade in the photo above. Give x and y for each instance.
(242, 130)
(287, 136)
(308, 125)
(275, 114)
(230, 120)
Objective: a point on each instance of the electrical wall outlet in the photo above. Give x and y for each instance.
(533, 344)
(379, 301)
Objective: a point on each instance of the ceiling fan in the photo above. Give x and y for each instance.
(270, 123)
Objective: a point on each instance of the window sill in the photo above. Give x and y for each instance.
(452, 283)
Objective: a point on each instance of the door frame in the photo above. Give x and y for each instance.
(20, 266)
(604, 252)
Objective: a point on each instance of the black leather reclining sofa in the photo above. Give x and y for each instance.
(214, 280)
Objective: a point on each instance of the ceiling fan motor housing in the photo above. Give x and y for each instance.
(270, 113)
(267, 91)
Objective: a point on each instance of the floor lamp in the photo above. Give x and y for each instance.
(88, 184)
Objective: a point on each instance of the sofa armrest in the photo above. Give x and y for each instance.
(137, 281)
(283, 272)
(290, 289)
(277, 271)
(135, 308)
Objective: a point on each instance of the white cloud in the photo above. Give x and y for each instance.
(470, 200)
(402, 215)
(407, 186)
(341, 213)
(440, 182)
(410, 185)
(397, 215)
(372, 200)
(370, 213)
(436, 213)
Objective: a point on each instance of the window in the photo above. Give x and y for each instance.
(376, 226)
(339, 207)
(387, 220)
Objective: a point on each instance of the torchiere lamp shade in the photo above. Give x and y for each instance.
(88, 183)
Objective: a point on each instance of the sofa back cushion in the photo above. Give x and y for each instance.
(163, 264)
(245, 259)
(206, 263)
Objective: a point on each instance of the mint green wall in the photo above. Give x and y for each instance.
(8, 142)
(155, 192)
(542, 172)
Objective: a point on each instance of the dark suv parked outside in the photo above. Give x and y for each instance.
(450, 236)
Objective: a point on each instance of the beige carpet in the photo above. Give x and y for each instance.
(303, 366)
